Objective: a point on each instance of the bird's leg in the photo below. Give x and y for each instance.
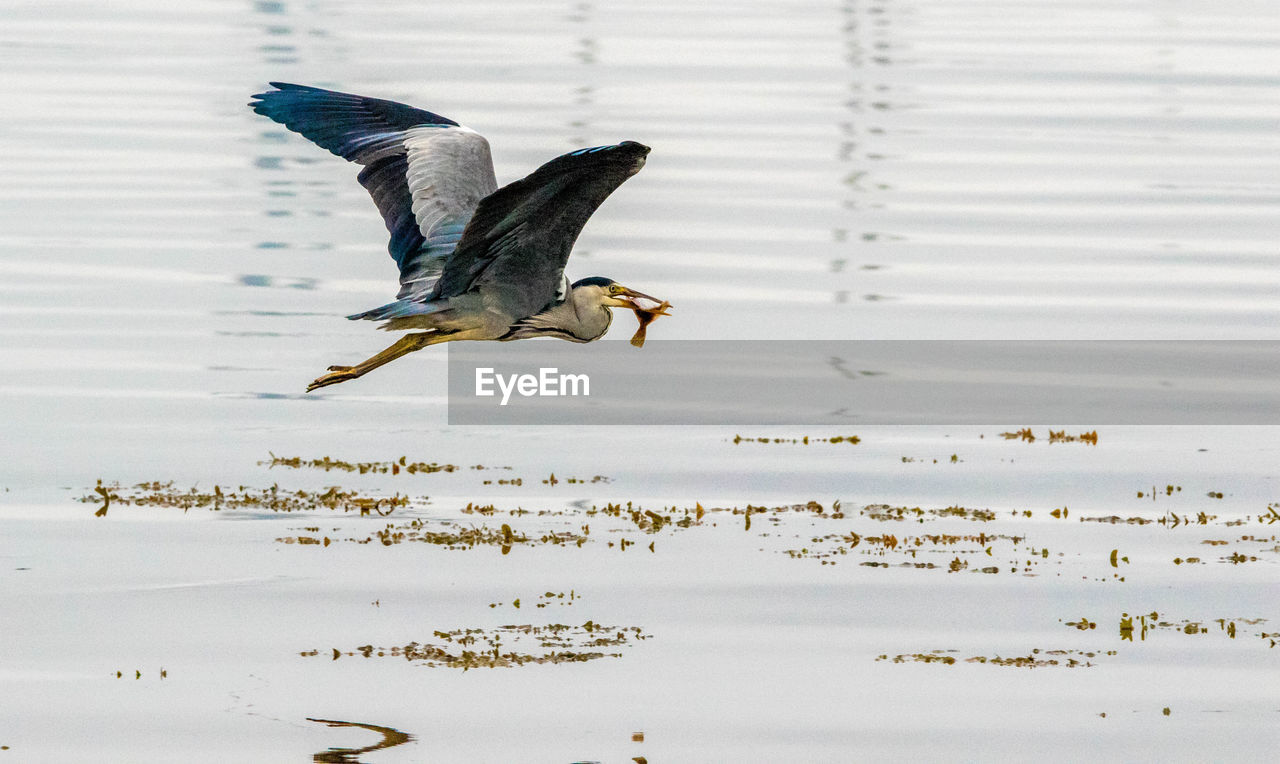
(403, 346)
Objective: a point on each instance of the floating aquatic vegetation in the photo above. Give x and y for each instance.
(106, 495)
(137, 674)
(1236, 558)
(933, 656)
(504, 646)
(803, 440)
(391, 737)
(629, 517)
(274, 499)
(978, 515)
(988, 553)
(1059, 436)
(553, 480)
(884, 512)
(1169, 490)
(490, 510)
(1037, 658)
(1137, 627)
(1174, 520)
(447, 534)
(953, 459)
(907, 548)
(1117, 520)
(382, 468)
(545, 599)
(834, 534)
(1168, 519)
(651, 521)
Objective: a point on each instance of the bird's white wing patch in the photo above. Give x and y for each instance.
(450, 171)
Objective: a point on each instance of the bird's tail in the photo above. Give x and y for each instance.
(399, 309)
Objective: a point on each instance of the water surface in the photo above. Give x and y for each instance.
(174, 270)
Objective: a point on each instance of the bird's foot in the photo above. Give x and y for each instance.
(339, 374)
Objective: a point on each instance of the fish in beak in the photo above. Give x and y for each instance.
(647, 309)
(645, 314)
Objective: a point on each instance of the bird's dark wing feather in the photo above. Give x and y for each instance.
(425, 172)
(354, 127)
(519, 238)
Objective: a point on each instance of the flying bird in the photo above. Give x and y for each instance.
(477, 262)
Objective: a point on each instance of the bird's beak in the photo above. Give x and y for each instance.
(637, 300)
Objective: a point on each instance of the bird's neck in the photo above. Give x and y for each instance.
(577, 318)
(593, 319)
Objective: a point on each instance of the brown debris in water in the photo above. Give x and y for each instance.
(505, 646)
(1055, 436)
(1117, 520)
(449, 535)
(274, 499)
(1042, 658)
(803, 440)
(1168, 520)
(884, 512)
(1024, 435)
(545, 600)
(594, 479)
(380, 468)
(1037, 658)
(1136, 628)
(106, 495)
(1169, 490)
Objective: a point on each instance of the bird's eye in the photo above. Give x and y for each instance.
(614, 289)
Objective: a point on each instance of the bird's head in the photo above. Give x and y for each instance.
(608, 293)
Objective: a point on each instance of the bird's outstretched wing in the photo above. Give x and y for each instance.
(519, 238)
(425, 172)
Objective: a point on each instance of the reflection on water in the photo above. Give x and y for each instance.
(977, 190)
(390, 738)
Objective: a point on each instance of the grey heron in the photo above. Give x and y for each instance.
(477, 262)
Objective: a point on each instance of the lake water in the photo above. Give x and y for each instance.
(174, 269)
